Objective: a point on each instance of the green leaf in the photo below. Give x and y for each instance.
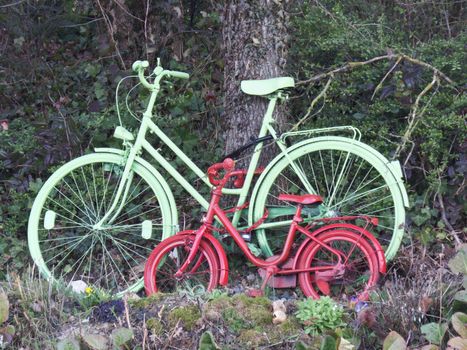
(394, 341)
(461, 296)
(459, 323)
(434, 332)
(68, 344)
(121, 336)
(95, 341)
(458, 264)
(328, 343)
(207, 342)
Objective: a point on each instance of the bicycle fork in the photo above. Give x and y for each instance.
(123, 188)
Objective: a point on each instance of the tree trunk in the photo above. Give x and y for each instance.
(255, 46)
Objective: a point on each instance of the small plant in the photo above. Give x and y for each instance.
(320, 315)
(93, 297)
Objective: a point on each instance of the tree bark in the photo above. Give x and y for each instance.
(255, 46)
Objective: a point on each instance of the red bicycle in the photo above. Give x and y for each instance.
(335, 258)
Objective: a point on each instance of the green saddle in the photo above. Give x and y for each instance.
(266, 86)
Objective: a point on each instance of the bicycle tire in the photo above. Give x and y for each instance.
(67, 248)
(374, 189)
(165, 260)
(360, 274)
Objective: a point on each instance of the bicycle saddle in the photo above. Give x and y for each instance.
(304, 199)
(267, 86)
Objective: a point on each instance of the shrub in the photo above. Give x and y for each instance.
(320, 315)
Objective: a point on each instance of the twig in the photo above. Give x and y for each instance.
(167, 344)
(346, 67)
(145, 332)
(110, 31)
(12, 4)
(126, 11)
(429, 66)
(445, 219)
(413, 120)
(82, 24)
(385, 77)
(127, 313)
(315, 100)
(350, 65)
(146, 29)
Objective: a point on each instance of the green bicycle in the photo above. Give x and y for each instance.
(99, 216)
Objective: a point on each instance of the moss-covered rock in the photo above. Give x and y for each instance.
(188, 315)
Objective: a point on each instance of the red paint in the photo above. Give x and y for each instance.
(305, 199)
(280, 270)
(222, 257)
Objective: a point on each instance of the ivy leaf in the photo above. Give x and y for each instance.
(458, 264)
(459, 323)
(434, 332)
(394, 341)
(457, 343)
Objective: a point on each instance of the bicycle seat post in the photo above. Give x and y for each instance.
(298, 214)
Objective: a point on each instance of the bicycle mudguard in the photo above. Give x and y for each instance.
(377, 247)
(393, 166)
(224, 264)
(168, 192)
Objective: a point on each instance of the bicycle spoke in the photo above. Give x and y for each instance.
(81, 198)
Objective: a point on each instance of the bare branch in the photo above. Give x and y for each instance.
(413, 117)
(12, 4)
(322, 94)
(380, 85)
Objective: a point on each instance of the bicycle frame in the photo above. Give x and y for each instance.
(270, 265)
(141, 143)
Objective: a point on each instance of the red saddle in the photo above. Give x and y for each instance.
(304, 199)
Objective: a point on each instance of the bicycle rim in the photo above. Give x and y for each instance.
(63, 240)
(202, 274)
(351, 180)
(360, 267)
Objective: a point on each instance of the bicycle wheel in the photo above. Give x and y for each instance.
(356, 276)
(63, 240)
(165, 260)
(352, 178)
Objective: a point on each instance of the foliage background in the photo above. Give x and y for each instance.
(60, 62)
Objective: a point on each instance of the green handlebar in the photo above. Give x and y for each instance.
(175, 74)
(140, 66)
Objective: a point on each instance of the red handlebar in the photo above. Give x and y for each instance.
(213, 172)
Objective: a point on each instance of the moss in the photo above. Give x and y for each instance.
(290, 327)
(146, 302)
(256, 310)
(242, 312)
(233, 319)
(251, 338)
(188, 315)
(155, 326)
